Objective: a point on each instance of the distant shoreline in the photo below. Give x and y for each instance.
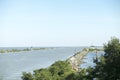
(14, 50)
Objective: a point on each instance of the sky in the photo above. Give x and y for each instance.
(25, 23)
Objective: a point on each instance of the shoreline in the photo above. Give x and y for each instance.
(77, 59)
(2, 51)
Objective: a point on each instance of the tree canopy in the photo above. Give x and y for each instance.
(109, 66)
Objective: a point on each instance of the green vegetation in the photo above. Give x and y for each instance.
(2, 51)
(26, 49)
(38, 48)
(95, 49)
(7, 51)
(108, 68)
(57, 71)
(60, 70)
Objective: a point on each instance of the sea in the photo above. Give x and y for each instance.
(13, 64)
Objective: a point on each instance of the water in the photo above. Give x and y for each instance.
(13, 64)
(88, 60)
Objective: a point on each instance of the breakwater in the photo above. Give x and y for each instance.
(77, 58)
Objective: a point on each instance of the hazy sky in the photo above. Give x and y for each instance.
(58, 22)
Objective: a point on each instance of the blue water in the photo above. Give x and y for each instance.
(88, 60)
(13, 64)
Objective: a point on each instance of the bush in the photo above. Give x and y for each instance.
(57, 71)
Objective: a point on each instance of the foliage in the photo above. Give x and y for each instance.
(109, 66)
(2, 51)
(39, 48)
(112, 59)
(60, 70)
(94, 49)
(27, 49)
(57, 71)
(27, 76)
(19, 50)
(90, 49)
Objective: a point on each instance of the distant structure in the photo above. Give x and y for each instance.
(92, 47)
(31, 48)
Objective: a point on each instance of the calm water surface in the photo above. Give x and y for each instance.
(13, 64)
(88, 60)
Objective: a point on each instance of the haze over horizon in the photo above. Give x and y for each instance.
(58, 23)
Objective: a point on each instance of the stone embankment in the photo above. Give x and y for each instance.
(77, 58)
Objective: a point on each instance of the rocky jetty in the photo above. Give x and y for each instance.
(76, 59)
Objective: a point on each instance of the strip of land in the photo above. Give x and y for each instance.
(77, 58)
(21, 50)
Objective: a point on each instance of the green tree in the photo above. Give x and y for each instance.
(42, 74)
(27, 76)
(57, 71)
(109, 66)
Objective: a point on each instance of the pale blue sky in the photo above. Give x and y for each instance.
(58, 22)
